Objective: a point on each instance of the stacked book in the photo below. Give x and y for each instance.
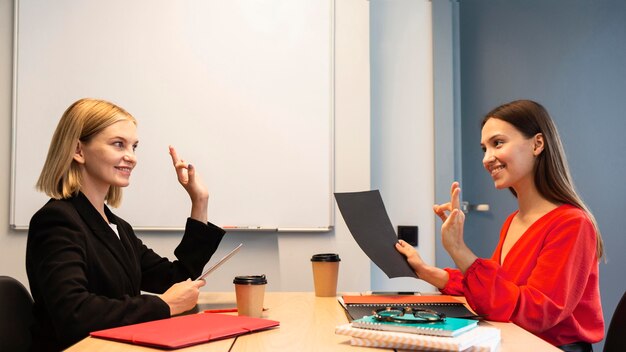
(451, 334)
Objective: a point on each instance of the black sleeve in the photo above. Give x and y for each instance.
(199, 243)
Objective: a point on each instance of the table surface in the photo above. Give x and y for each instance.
(310, 329)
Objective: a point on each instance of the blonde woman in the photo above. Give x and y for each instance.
(543, 275)
(85, 266)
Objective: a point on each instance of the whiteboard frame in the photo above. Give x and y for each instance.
(331, 90)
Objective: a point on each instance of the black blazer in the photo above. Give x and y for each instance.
(84, 278)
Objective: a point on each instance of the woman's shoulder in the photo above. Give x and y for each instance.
(55, 205)
(568, 218)
(54, 210)
(569, 212)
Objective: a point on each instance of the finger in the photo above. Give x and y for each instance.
(444, 206)
(174, 155)
(455, 216)
(453, 186)
(400, 247)
(191, 173)
(199, 283)
(440, 211)
(455, 198)
(460, 217)
(451, 218)
(179, 165)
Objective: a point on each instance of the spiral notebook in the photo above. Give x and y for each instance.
(472, 340)
(449, 327)
(359, 306)
(491, 344)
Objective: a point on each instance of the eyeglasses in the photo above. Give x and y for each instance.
(408, 315)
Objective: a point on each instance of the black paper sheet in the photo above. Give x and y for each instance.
(369, 224)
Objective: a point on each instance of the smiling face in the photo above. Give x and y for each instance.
(108, 158)
(509, 155)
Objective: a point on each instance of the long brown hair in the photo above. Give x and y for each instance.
(552, 176)
(60, 176)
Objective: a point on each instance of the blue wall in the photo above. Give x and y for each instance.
(570, 55)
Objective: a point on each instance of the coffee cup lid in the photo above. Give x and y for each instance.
(325, 257)
(250, 280)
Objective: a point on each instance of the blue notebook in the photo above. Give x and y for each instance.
(449, 327)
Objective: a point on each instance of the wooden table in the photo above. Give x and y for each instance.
(307, 323)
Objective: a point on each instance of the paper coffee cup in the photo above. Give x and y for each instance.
(250, 292)
(325, 273)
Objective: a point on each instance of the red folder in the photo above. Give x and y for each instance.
(398, 299)
(187, 330)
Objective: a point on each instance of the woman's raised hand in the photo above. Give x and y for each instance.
(444, 210)
(453, 219)
(452, 229)
(192, 183)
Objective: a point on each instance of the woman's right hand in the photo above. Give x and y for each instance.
(412, 256)
(182, 296)
(431, 274)
(191, 182)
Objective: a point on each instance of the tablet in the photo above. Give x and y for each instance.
(220, 262)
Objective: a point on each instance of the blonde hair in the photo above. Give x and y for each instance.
(60, 176)
(552, 176)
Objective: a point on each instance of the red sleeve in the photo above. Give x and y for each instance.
(454, 286)
(552, 266)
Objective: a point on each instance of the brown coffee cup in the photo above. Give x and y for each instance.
(250, 292)
(325, 273)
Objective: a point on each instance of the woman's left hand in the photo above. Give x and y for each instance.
(192, 183)
(452, 229)
(453, 220)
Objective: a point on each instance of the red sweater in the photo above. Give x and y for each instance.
(548, 283)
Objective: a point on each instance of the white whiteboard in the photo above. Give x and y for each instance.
(242, 89)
